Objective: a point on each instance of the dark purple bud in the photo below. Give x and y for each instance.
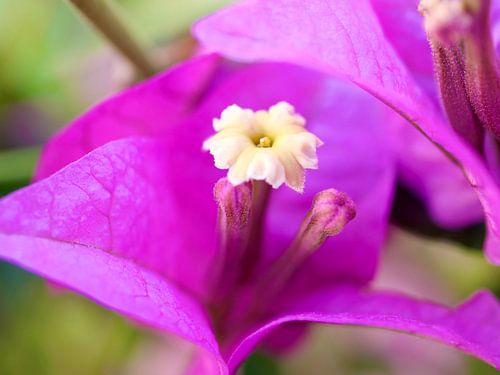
(446, 23)
(482, 71)
(331, 210)
(466, 65)
(450, 74)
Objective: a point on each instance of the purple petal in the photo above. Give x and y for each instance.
(119, 199)
(403, 27)
(471, 327)
(423, 169)
(344, 38)
(147, 109)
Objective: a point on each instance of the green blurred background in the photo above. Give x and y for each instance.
(52, 67)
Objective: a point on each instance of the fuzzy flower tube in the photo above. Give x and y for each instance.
(220, 202)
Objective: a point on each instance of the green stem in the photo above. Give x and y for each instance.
(104, 17)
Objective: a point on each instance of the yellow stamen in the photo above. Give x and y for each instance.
(265, 142)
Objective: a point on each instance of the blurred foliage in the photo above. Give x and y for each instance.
(42, 44)
(40, 37)
(361, 351)
(54, 332)
(16, 168)
(260, 363)
(37, 40)
(450, 265)
(160, 20)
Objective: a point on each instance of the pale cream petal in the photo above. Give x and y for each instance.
(283, 113)
(265, 165)
(238, 172)
(235, 116)
(294, 173)
(227, 150)
(303, 146)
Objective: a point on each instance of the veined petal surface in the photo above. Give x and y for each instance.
(472, 326)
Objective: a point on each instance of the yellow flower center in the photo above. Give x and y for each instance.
(265, 142)
(271, 145)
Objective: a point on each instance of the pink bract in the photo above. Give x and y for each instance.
(123, 213)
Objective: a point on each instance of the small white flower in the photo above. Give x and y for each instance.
(272, 146)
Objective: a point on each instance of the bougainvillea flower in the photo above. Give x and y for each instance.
(382, 47)
(123, 212)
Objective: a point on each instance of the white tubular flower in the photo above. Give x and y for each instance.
(271, 145)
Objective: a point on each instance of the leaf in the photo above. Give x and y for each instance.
(16, 168)
(260, 363)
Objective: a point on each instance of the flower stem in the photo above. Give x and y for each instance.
(104, 17)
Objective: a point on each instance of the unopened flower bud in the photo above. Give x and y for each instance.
(466, 65)
(330, 212)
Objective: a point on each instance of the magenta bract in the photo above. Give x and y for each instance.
(123, 212)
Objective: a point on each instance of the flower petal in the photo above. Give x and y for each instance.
(106, 227)
(426, 171)
(471, 327)
(120, 199)
(344, 38)
(403, 26)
